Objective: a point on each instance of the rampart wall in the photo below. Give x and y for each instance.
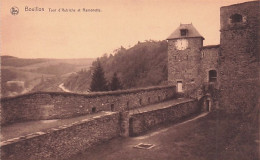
(64, 141)
(50, 105)
(144, 121)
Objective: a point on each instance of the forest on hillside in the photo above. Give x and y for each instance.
(23, 75)
(142, 65)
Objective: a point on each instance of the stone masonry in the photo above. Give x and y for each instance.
(232, 67)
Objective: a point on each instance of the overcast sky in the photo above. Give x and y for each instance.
(89, 35)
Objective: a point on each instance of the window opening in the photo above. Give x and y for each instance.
(184, 32)
(235, 18)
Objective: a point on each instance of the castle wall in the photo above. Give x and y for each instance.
(67, 140)
(239, 59)
(44, 105)
(62, 142)
(144, 121)
(209, 61)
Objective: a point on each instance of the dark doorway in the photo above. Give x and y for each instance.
(207, 105)
(112, 107)
(212, 76)
(131, 129)
(93, 110)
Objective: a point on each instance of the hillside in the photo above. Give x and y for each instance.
(143, 65)
(19, 75)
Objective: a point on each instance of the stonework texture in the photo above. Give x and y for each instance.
(239, 59)
(63, 142)
(39, 106)
(235, 60)
(183, 65)
(144, 121)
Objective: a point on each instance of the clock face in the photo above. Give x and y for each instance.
(181, 44)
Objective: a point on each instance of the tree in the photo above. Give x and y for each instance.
(115, 83)
(98, 82)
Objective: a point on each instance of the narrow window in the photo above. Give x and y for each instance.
(149, 99)
(235, 18)
(159, 98)
(140, 101)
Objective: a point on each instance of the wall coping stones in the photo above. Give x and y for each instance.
(91, 95)
(160, 106)
(51, 130)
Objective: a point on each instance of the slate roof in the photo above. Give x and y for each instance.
(192, 32)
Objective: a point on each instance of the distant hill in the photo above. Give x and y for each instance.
(20, 75)
(19, 62)
(143, 65)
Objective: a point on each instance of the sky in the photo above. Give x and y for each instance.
(45, 34)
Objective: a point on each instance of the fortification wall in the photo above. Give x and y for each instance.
(141, 122)
(209, 61)
(44, 105)
(62, 142)
(239, 60)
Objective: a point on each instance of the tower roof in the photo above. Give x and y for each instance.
(191, 32)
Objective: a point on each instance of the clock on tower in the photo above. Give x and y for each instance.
(181, 44)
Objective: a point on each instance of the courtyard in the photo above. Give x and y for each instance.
(208, 136)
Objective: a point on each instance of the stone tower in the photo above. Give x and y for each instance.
(184, 46)
(239, 56)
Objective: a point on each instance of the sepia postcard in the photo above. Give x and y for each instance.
(129, 79)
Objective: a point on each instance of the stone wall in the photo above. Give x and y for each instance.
(47, 105)
(62, 142)
(209, 61)
(239, 59)
(144, 121)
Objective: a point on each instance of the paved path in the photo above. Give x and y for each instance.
(24, 128)
(61, 86)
